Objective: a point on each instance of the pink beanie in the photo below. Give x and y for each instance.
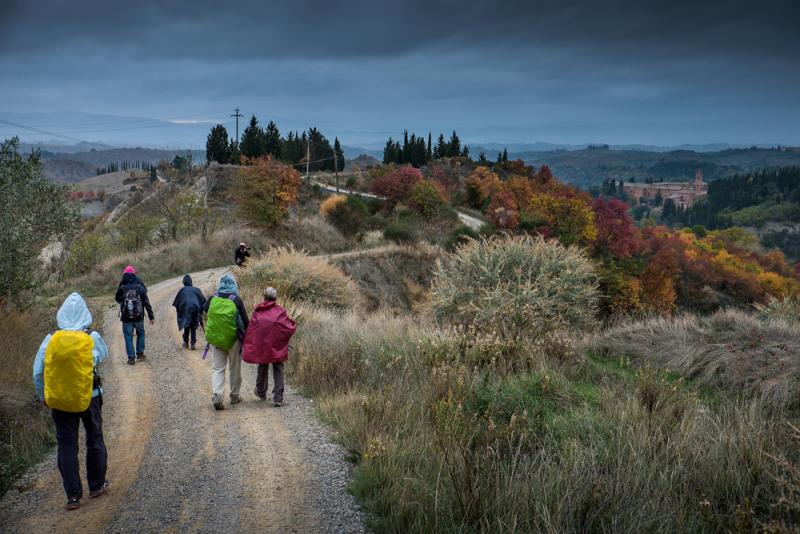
(129, 270)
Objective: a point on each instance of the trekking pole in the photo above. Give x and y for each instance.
(205, 352)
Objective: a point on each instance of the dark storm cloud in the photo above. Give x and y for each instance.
(568, 71)
(324, 29)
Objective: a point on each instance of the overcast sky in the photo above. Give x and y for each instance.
(616, 71)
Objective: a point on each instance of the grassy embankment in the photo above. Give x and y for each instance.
(663, 425)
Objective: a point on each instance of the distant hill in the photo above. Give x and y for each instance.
(590, 166)
(352, 152)
(74, 167)
(363, 161)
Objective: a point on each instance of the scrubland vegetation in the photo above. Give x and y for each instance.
(665, 424)
(560, 369)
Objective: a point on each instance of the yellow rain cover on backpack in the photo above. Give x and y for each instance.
(69, 371)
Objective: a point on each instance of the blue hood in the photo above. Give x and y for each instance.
(74, 314)
(228, 285)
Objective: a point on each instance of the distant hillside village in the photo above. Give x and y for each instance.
(682, 194)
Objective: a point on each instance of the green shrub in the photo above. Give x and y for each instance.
(85, 254)
(350, 216)
(398, 231)
(459, 236)
(376, 222)
(298, 277)
(516, 287)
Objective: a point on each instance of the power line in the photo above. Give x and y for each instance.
(45, 132)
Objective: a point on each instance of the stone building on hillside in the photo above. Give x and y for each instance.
(683, 194)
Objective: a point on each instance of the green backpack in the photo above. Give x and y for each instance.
(221, 327)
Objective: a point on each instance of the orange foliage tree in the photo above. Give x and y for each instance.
(481, 184)
(265, 189)
(503, 211)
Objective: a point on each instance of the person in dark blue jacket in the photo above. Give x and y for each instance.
(189, 304)
(133, 303)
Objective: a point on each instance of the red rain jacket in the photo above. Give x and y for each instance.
(268, 334)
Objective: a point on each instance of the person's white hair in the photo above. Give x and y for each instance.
(271, 293)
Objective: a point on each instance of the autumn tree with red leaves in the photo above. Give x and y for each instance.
(396, 184)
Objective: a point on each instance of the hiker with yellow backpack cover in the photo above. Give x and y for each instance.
(66, 381)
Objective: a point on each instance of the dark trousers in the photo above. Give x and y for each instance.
(96, 456)
(191, 331)
(262, 380)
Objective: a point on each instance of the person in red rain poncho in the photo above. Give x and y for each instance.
(267, 342)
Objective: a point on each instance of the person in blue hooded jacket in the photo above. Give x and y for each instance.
(188, 305)
(228, 358)
(75, 315)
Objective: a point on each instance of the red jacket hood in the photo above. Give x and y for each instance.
(268, 334)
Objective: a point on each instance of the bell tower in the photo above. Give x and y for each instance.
(698, 181)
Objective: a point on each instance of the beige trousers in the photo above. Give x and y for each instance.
(232, 359)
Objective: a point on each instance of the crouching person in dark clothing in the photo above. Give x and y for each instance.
(189, 304)
(66, 381)
(267, 342)
(241, 254)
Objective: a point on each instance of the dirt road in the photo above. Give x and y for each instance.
(177, 465)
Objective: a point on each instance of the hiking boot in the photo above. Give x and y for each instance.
(101, 491)
(73, 503)
(262, 396)
(140, 356)
(193, 347)
(236, 399)
(131, 361)
(277, 403)
(217, 401)
(185, 345)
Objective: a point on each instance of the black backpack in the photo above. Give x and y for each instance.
(132, 305)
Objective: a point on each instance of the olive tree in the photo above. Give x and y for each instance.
(33, 211)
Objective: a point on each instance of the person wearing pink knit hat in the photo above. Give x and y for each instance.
(133, 302)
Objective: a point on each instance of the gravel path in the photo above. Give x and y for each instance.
(177, 465)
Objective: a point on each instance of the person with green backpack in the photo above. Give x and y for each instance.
(66, 381)
(226, 324)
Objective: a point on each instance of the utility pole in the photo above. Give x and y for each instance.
(237, 115)
(308, 156)
(336, 169)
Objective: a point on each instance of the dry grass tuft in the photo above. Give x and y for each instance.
(298, 277)
(730, 349)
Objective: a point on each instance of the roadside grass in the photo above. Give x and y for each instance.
(26, 428)
(447, 440)
(26, 431)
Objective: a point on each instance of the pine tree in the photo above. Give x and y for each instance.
(217, 148)
(272, 140)
(253, 140)
(441, 149)
(454, 146)
(505, 155)
(389, 154)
